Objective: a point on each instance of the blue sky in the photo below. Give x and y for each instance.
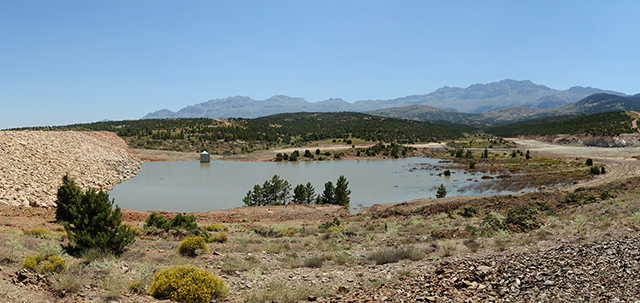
(66, 62)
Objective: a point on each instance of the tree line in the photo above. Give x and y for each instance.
(277, 191)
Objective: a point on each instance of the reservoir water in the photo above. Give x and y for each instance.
(190, 186)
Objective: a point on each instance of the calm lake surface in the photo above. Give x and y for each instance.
(190, 186)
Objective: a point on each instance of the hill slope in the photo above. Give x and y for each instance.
(607, 123)
(596, 103)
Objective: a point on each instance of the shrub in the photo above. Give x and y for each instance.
(328, 224)
(335, 228)
(493, 222)
(53, 264)
(221, 238)
(145, 274)
(472, 245)
(179, 221)
(32, 262)
(471, 230)
(187, 284)
(136, 287)
(472, 165)
(469, 212)
(50, 248)
(38, 232)
(69, 281)
(594, 170)
(183, 222)
(589, 162)
(154, 220)
(38, 263)
(95, 254)
(392, 255)
(501, 240)
(447, 248)
(524, 216)
(314, 262)
(216, 227)
(132, 229)
(193, 245)
(289, 232)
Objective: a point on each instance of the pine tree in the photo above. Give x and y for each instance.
(68, 195)
(327, 194)
(94, 224)
(441, 192)
(341, 193)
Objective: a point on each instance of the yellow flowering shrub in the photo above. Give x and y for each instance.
(38, 232)
(221, 238)
(136, 287)
(216, 227)
(134, 230)
(335, 228)
(193, 245)
(32, 262)
(187, 284)
(53, 264)
(44, 265)
(289, 232)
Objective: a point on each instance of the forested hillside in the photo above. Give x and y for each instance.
(608, 123)
(237, 135)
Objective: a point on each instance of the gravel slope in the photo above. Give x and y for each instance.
(32, 164)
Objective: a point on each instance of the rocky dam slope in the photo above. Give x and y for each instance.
(32, 164)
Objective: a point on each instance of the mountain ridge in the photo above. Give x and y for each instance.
(475, 98)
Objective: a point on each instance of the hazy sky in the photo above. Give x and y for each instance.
(64, 62)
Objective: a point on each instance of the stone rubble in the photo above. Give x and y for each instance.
(593, 272)
(32, 164)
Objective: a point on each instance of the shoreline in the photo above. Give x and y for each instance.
(619, 165)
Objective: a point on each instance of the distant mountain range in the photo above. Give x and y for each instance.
(477, 98)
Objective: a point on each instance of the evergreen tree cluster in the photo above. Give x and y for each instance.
(278, 192)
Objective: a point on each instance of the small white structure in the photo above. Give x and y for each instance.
(205, 157)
